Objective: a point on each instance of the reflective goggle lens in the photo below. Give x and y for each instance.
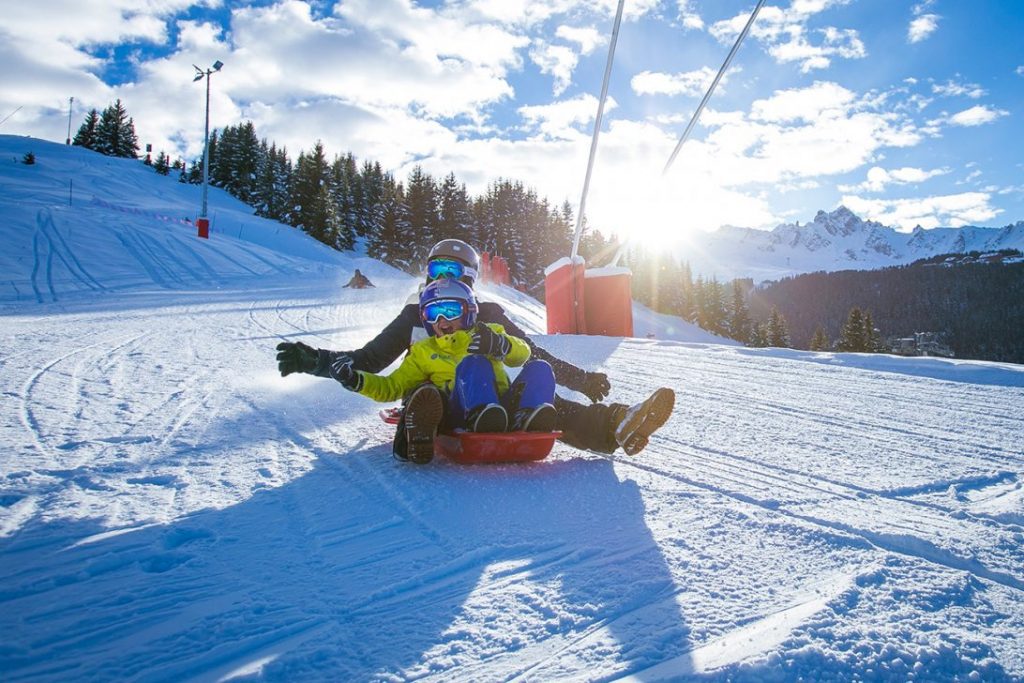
(450, 309)
(445, 268)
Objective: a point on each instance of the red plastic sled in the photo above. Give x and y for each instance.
(470, 448)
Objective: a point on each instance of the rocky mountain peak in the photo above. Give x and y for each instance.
(842, 221)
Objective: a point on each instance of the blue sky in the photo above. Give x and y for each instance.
(907, 112)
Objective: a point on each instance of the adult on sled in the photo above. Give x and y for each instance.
(598, 426)
(456, 376)
(359, 281)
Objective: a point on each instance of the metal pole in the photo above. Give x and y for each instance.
(206, 145)
(714, 84)
(597, 130)
(71, 101)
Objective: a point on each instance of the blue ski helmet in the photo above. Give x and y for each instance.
(446, 298)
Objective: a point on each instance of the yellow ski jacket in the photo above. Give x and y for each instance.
(434, 359)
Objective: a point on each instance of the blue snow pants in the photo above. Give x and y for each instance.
(475, 386)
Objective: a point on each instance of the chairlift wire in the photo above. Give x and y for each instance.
(10, 115)
(714, 84)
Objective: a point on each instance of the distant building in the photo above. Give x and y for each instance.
(921, 344)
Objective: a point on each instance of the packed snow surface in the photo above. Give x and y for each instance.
(172, 509)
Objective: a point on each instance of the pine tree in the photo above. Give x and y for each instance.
(819, 342)
(340, 189)
(162, 165)
(739, 315)
(86, 135)
(195, 173)
(272, 190)
(421, 204)
(29, 159)
(853, 337)
(370, 210)
(311, 200)
(115, 134)
(872, 337)
(243, 159)
(778, 331)
(390, 244)
(453, 210)
(759, 336)
(687, 295)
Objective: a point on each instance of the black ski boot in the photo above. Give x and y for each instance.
(423, 413)
(634, 425)
(487, 418)
(539, 419)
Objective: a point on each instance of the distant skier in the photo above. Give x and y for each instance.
(598, 427)
(456, 376)
(359, 281)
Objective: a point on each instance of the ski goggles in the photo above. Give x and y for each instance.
(449, 309)
(449, 268)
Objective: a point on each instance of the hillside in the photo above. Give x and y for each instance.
(172, 509)
(976, 305)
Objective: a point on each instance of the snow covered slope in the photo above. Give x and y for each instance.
(838, 240)
(172, 509)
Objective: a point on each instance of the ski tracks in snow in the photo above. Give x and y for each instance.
(178, 511)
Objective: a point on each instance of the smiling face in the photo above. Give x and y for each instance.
(444, 326)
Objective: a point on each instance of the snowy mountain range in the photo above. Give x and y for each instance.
(837, 240)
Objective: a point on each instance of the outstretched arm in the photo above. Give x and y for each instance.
(379, 352)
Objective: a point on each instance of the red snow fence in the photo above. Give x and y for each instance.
(494, 269)
(204, 227)
(580, 301)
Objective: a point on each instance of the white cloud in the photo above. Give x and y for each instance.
(822, 100)
(953, 89)
(688, 16)
(788, 39)
(587, 38)
(531, 13)
(957, 210)
(693, 83)
(1020, 70)
(879, 178)
(564, 120)
(922, 27)
(977, 115)
(558, 61)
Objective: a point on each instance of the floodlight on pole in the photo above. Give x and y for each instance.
(204, 222)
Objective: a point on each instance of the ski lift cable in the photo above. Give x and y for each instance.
(11, 114)
(597, 129)
(700, 107)
(714, 84)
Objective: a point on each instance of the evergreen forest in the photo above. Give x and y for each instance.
(976, 308)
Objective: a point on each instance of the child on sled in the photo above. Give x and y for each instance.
(455, 378)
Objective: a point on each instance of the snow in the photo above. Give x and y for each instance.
(172, 509)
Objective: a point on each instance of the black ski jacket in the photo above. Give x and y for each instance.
(395, 339)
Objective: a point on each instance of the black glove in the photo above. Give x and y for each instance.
(342, 370)
(596, 386)
(296, 357)
(489, 343)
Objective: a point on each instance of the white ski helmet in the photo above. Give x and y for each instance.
(460, 252)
